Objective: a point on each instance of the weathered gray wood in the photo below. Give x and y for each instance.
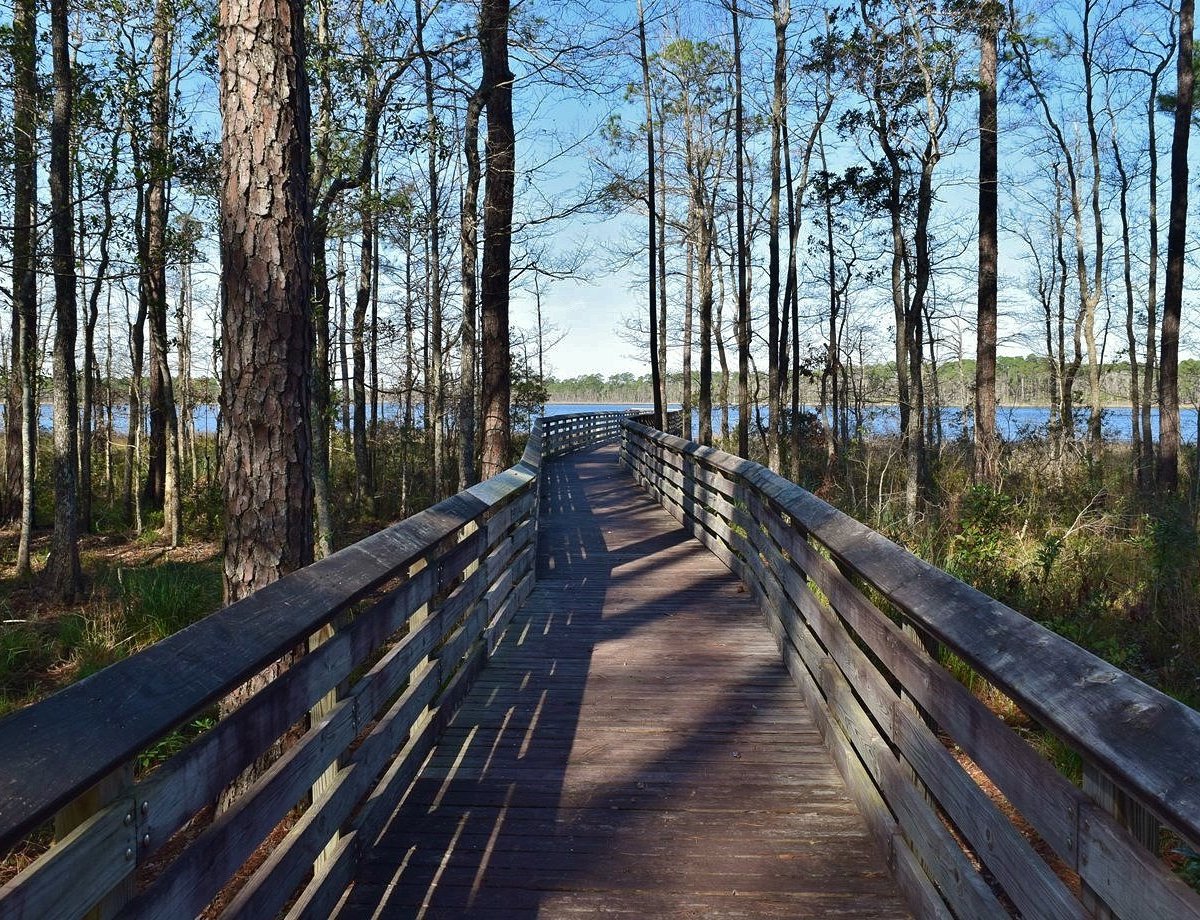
(919, 825)
(635, 688)
(269, 888)
(89, 862)
(1052, 805)
(1025, 877)
(90, 728)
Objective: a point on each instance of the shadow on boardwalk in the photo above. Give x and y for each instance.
(634, 748)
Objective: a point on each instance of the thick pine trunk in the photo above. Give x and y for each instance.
(497, 235)
(266, 284)
(267, 334)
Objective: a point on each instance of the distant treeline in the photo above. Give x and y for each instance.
(1019, 381)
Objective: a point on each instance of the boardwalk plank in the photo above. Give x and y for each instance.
(635, 748)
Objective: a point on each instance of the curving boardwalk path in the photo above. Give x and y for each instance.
(634, 748)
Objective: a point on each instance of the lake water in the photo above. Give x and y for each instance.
(1012, 422)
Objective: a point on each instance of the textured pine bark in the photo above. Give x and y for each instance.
(62, 573)
(267, 333)
(497, 235)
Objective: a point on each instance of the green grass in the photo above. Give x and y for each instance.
(162, 599)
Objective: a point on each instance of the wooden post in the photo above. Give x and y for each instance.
(324, 782)
(1129, 813)
(116, 785)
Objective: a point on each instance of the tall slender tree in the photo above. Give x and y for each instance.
(777, 354)
(743, 255)
(985, 352)
(1168, 364)
(469, 253)
(651, 215)
(63, 574)
(434, 407)
(497, 234)
(164, 470)
(24, 345)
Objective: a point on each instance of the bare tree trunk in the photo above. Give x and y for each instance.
(162, 391)
(662, 267)
(704, 246)
(343, 351)
(90, 367)
(187, 399)
(63, 575)
(358, 360)
(1095, 435)
(718, 328)
(1148, 375)
(1168, 375)
(743, 261)
(1130, 313)
(435, 405)
(23, 414)
(319, 382)
(469, 244)
(776, 369)
(373, 426)
(266, 283)
(656, 381)
(689, 289)
(985, 353)
(497, 234)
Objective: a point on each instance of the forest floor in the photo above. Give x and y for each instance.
(136, 592)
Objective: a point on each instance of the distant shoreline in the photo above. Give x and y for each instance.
(884, 405)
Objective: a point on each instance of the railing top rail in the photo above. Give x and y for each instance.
(90, 728)
(1147, 742)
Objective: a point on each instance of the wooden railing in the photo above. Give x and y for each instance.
(976, 823)
(565, 433)
(393, 630)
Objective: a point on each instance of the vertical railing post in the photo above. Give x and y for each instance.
(1130, 814)
(117, 785)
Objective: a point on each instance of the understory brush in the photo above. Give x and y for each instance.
(1074, 545)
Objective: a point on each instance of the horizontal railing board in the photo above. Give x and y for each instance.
(91, 727)
(1029, 881)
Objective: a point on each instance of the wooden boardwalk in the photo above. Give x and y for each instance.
(635, 748)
